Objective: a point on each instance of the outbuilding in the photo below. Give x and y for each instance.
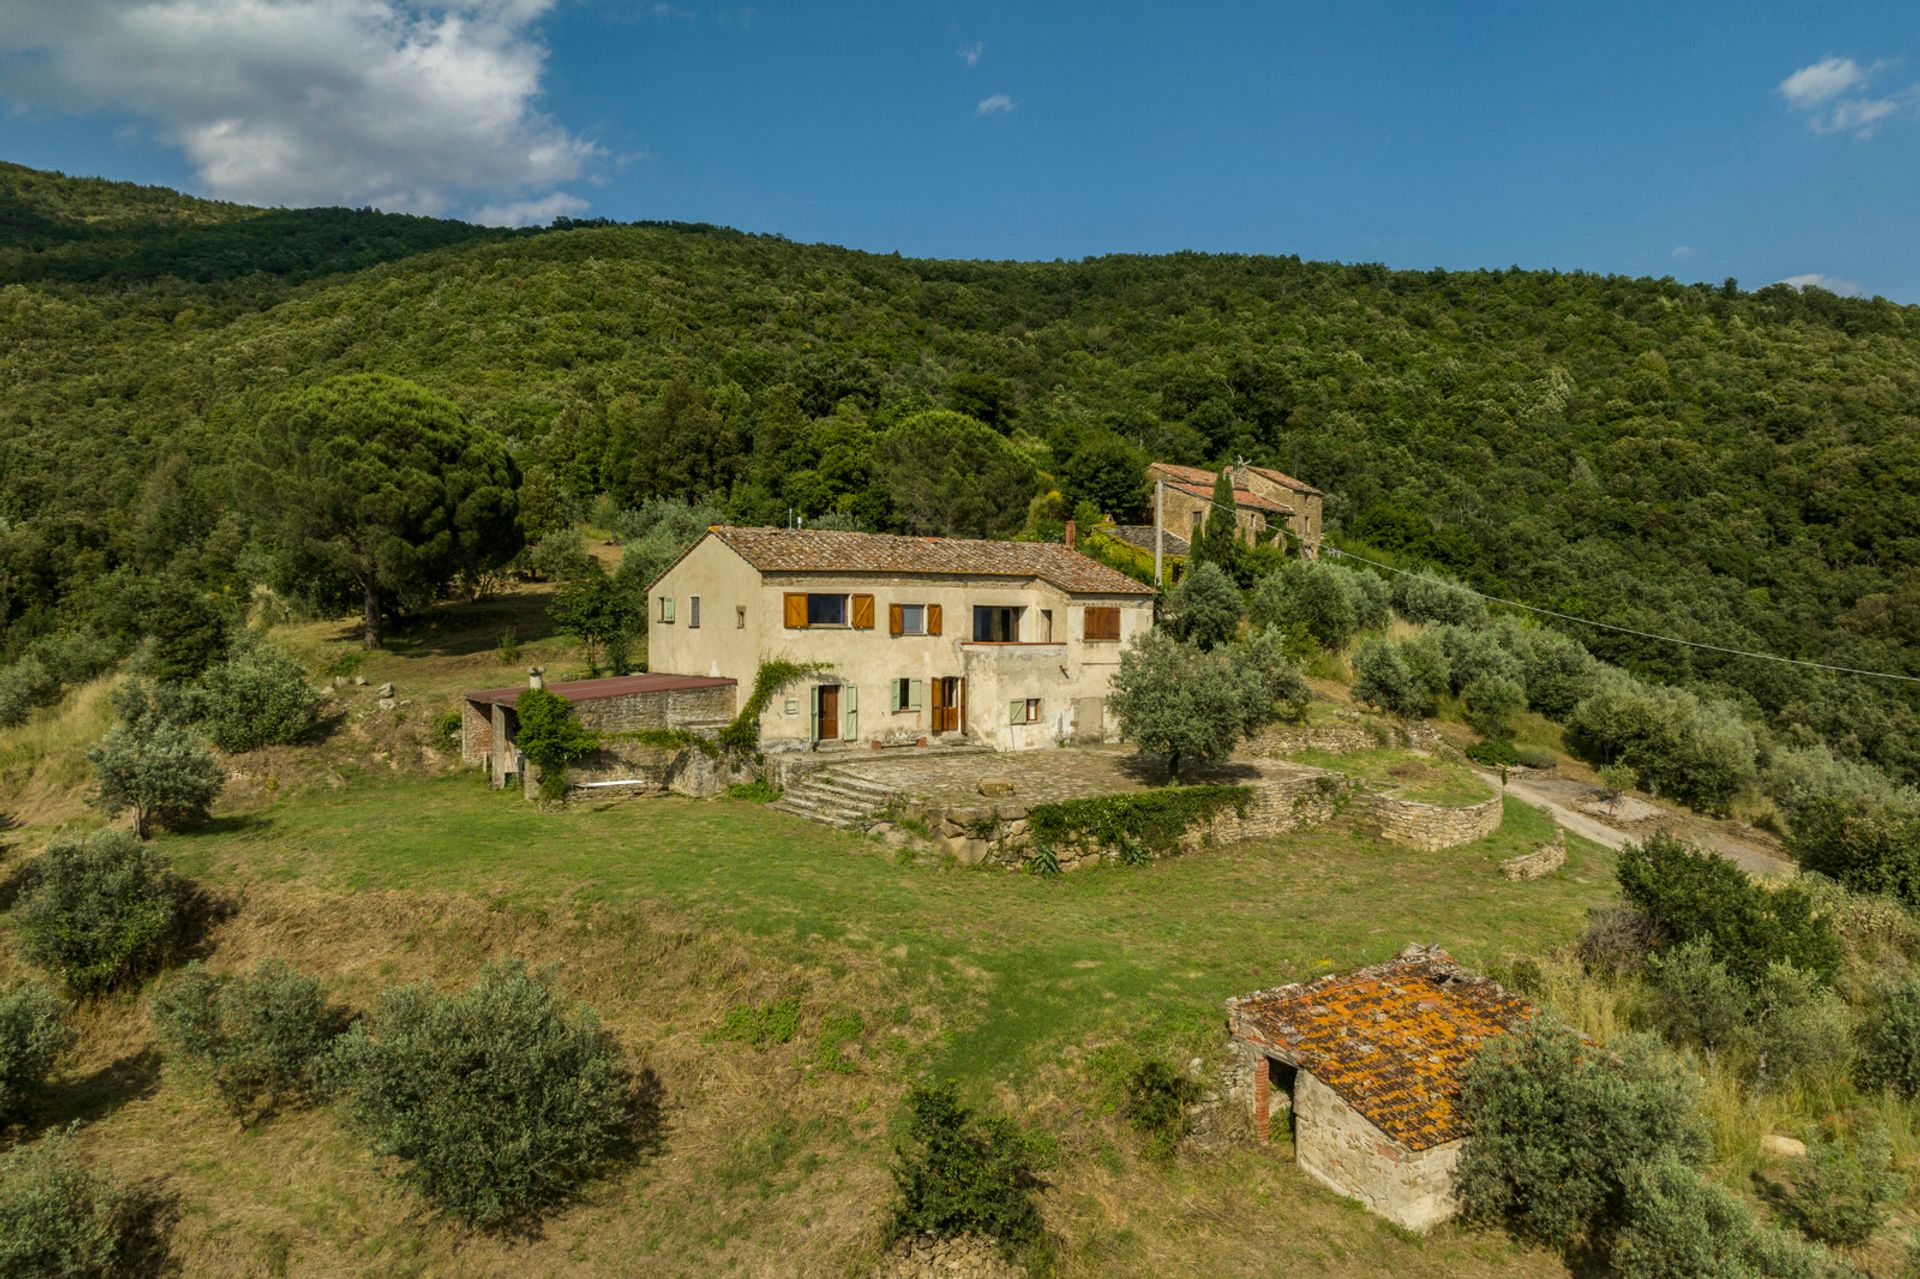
(619, 704)
(1370, 1063)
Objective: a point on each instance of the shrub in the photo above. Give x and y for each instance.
(1618, 940)
(26, 684)
(1688, 894)
(1367, 593)
(1800, 1026)
(1557, 671)
(1475, 654)
(99, 910)
(1889, 1042)
(259, 1036)
(1402, 678)
(33, 1034)
(1679, 1225)
(259, 697)
(1429, 597)
(1867, 845)
(1494, 753)
(60, 1221)
(961, 1173)
(496, 1102)
(1183, 706)
(1205, 608)
(1157, 1100)
(1697, 1001)
(1700, 753)
(1309, 594)
(1492, 701)
(1841, 1191)
(1559, 1127)
(560, 556)
(551, 738)
(1535, 757)
(160, 771)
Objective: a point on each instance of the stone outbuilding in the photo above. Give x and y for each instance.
(1263, 499)
(1370, 1063)
(620, 704)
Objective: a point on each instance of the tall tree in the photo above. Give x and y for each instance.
(949, 474)
(373, 485)
(1215, 543)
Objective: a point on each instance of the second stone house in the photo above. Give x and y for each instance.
(1010, 644)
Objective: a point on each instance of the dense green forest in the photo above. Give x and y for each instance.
(1742, 468)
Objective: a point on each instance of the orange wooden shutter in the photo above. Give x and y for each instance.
(896, 623)
(933, 619)
(863, 612)
(796, 609)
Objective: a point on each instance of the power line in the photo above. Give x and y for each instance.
(1605, 626)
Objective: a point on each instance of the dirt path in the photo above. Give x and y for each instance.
(1553, 796)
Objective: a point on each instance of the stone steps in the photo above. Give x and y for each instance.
(835, 799)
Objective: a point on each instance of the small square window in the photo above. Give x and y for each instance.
(739, 617)
(913, 619)
(826, 610)
(666, 608)
(693, 612)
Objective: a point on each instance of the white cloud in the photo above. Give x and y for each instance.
(395, 103)
(970, 53)
(1827, 78)
(998, 104)
(530, 212)
(1832, 284)
(1832, 94)
(1684, 251)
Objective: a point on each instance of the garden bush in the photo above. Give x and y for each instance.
(1889, 1042)
(1491, 702)
(259, 1036)
(1428, 597)
(1841, 1191)
(1493, 753)
(1157, 1101)
(496, 1102)
(1679, 1225)
(1559, 1127)
(560, 556)
(1401, 677)
(33, 1034)
(962, 1173)
(60, 1221)
(1800, 1027)
(258, 697)
(1308, 594)
(1205, 608)
(160, 771)
(100, 910)
(1697, 1002)
(1869, 846)
(1688, 894)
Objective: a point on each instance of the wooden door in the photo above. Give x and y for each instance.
(940, 704)
(827, 722)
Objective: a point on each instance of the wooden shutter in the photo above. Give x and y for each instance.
(933, 619)
(896, 620)
(1017, 711)
(863, 612)
(913, 694)
(1101, 624)
(796, 610)
(850, 708)
(893, 695)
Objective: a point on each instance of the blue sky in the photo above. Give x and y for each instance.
(1760, 141)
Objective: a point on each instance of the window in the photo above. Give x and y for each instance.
(906, 619)
(1023, 710)
(1198, 516)
(905, 694)
(1046, 626)
(693, 612)
(1101, 624)
(666, 608)
(826, 610)
(739, 617)
(994, 625)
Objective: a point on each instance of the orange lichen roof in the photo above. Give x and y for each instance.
(1392, 1040)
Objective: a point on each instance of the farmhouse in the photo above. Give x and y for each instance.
(1007, 644)
(1371, 1063)
(1263, 499)
(623, 704)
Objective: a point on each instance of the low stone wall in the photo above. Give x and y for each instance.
(631, 768)
(1347, 733)
(1428, 827)
(1544, 860)
(998, 832)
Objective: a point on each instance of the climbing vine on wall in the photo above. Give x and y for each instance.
(1141, 825)
(742, 736)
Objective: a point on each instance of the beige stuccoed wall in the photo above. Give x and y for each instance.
(1342, 1150)
(1060, 673)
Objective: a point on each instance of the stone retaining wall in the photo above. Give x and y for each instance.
(1429, 827)
(1544, 860)
(633, 768)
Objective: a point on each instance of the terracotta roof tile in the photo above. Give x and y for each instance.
(783, 550)
(1141, 535)
(1392, 1040)
(1281, 477)
(1200, 475)
(1241, 497)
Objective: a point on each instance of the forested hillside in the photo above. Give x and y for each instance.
(1738, 467)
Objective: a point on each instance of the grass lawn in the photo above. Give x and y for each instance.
(1034, 963)
(1423, 779)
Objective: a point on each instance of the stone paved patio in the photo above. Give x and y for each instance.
(1038, 777)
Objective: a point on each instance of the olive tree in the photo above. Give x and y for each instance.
(1183, 705)
(160, 771)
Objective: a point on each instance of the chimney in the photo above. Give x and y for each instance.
(536, 678)
(1070, 534)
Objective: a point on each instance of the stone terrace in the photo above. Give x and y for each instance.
(1038, 777)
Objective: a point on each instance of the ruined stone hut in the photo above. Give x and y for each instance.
(1371, 1063)
(620, 704)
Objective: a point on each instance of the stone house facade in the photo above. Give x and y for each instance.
(1007, 644)
(1263, 499)
(621, 704)
(1370, 1064)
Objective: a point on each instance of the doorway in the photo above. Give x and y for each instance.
(949, 708)
(826, 713)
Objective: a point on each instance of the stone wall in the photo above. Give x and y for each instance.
(1544, 860)
(476, 731)
(632, 768)
(997, 832)
(673, 708)
(1347, 733)
(1342, 1150)
(1429, 827)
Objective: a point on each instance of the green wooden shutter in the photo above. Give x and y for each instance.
(1017, 711)
(893, 695)
(913, 695)
(849, 712)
